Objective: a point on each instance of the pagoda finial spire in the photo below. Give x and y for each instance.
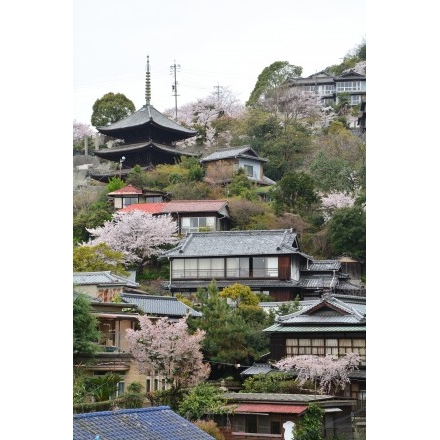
(147, 82)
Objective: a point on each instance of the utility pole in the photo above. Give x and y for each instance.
(174, 86)
(218, 87)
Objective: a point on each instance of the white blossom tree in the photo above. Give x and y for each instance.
(168, 347)
(201, 114)
(138, 235)
(335, 200)
(80, 130)
(328, 372)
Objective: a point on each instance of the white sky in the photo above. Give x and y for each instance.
(225, 43)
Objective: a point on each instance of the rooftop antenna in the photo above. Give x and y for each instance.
(148, 82)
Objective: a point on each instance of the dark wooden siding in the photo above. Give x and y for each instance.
(284, 267)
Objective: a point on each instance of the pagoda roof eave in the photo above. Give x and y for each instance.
(118, 150)
(147, 115)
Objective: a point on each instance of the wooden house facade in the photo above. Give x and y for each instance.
(268, 261)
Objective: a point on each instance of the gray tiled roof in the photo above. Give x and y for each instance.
(347, 285)
(236, 243)
(159, 305)
(318, 282)
(322, 265)
(103, 277)
(146, 115)
(258, 369)
(327, 310)
(193, 284)
(275, 397)
(279, 328)
(233, 152)
(142, 146)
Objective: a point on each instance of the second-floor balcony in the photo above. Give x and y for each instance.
(221, 273)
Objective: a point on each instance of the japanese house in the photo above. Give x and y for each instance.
(268, 261)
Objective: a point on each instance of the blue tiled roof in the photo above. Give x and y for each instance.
(155, 423)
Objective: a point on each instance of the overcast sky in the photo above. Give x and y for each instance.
(214, 43)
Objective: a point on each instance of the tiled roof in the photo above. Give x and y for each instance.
(322, 265)
(347, 285)
(252, 283)
(149, 208)
(103, 277)
(257, 369)
(155, 423)
(146, 115)
(159, 305)
(271, 408)
(194, 205)
(178, 206)
(236, 243)
(129, 189)
(140, 146)
(328, 310)
(280, 328)
(233, 152)
(318, 282)
(275, 397)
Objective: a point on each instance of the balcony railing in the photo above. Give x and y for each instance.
(220, 273)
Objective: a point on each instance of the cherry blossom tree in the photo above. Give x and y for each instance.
(334, 200)
(137, 234)
(169, 348)
(329, 372)
(80, 130)
(201, 115)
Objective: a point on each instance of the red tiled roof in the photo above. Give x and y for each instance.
(194, 205)
(150, 208)
(129, 189)
(270, 408)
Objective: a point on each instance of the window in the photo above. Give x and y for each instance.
(148, 385)
(349, 86)
(251, 423)
(355, 99)
(127, 201)
(211, 268)
(197, 224)
(249, 170)
(265, 267)
(198, 268)
(237, 267)
(328, 89)
(121, 389)
(257, 423)
(153, 199)
(322, 347)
